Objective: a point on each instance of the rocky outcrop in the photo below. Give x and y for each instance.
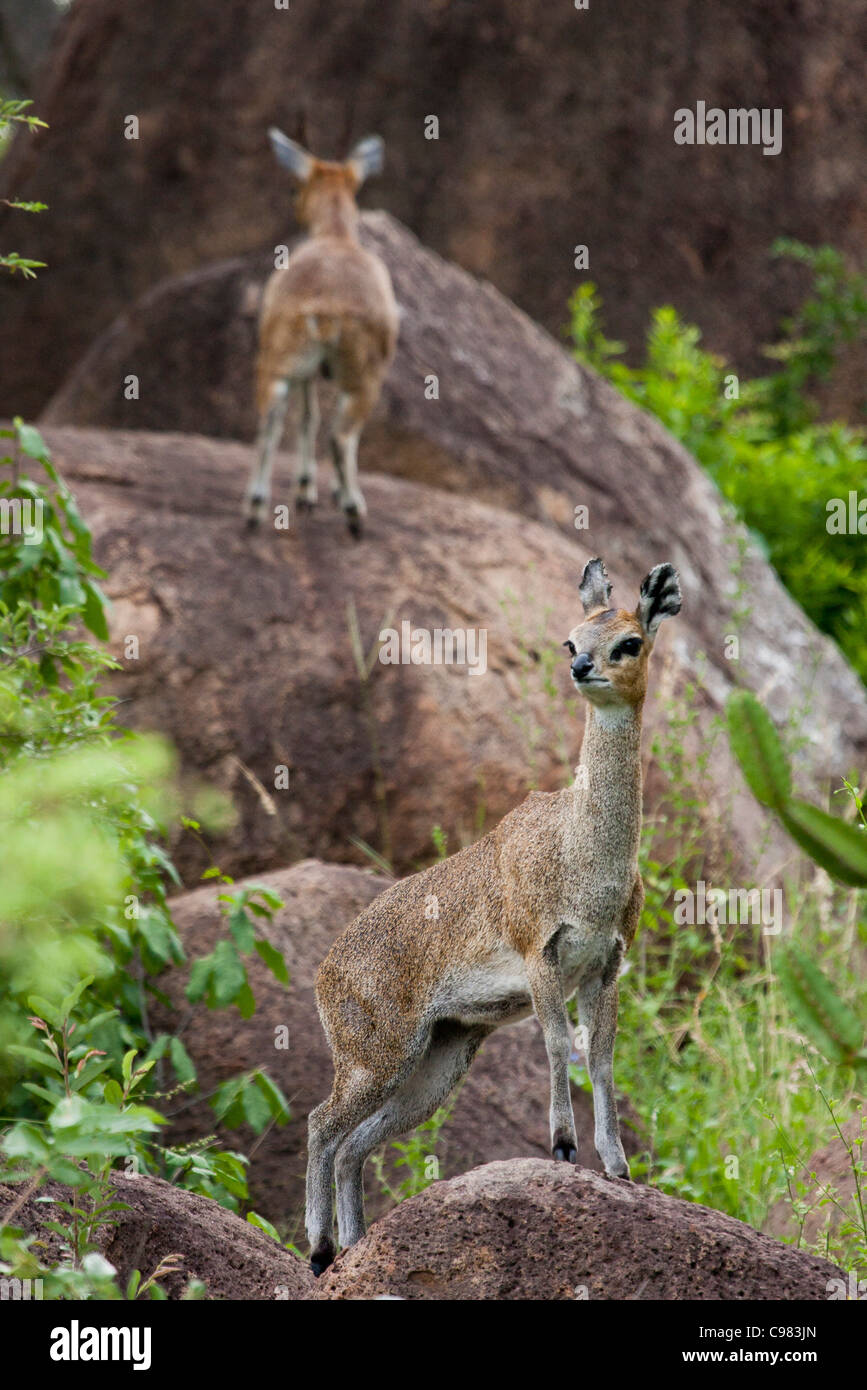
(538, 1230)
(530, 1229)
(244, 652)
(519, 425)
(500, 1112)
(234, 1259)
(555, 129)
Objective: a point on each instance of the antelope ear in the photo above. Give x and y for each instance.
(595, 587)
(659, 597)
(368, 157)
(293, 157)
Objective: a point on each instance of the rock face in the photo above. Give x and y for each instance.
(555, 129)
(500, 1112)
(532, 1229)
(529, 1229)
(233, 1258)
(25, 33)
(245, 657)
(828, 1175)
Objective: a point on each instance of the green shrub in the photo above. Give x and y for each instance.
(85, 920)
(758, 439)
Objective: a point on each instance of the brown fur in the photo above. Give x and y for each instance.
(542, 907)
(331, 310)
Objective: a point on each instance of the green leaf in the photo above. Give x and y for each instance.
(242, 929)
(200, 975)
(43, 1060)
(182, 1062)
(68, 1004)
(273, 959)
(93, 612)
(30, 441)
(757, 747)
(837, 845)
(264, 1225)
(112, 1093)
(277, 1103)
(228, 975)
(834, 1028)
(257, 1108)
(245, 1001)
(44, 1009)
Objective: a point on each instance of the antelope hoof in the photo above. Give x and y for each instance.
(564, 1151)
(618, 1170)
(304, 504)
(322, 1257)
(353, 521)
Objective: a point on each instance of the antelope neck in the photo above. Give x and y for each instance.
(607, 788)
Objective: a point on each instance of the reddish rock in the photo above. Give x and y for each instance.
(234, 1259)
(245, 657)
(556, 128)
(539, 1230)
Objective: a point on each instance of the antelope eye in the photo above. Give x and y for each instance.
(630, 646)
(571, 647)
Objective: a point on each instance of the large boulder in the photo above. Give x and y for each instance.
(538, 1230)
(245, 657)
(518, 424)
(555, 130)
(234, 1259)
(500, 1112)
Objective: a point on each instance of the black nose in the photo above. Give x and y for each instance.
(582, 665)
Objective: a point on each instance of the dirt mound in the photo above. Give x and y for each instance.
(830, 1186)
(233, 1258)
(532, 1229)
(555, 129)
(501, 1111)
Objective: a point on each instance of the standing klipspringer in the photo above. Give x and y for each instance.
(542, 907)
(330, 312)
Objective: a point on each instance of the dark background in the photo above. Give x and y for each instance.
(556, 128)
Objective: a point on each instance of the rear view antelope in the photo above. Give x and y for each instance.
(541, 908)
(331, 312)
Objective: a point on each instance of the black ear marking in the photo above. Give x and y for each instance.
(595, 586)
(659, 597)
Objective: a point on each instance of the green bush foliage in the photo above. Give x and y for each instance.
(760, 440)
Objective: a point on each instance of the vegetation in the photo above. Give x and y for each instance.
(12, 114)
(740, 1049)
(85, 922)
(760, 440)
(758, 1052)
